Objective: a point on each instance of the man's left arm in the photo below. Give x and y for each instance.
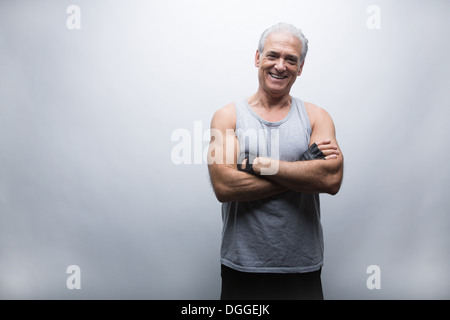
(314, 176)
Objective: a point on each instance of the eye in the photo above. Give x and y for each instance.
(292, 60)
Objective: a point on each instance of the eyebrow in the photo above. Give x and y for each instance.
(293, 57)
(289, 56)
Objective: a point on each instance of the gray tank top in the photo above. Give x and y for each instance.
(282, 233)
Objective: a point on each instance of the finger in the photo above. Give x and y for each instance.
(324, 142)
(333, 156)
(327, 147)
(330, 152)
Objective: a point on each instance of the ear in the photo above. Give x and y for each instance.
(301, 69)
(257, 59)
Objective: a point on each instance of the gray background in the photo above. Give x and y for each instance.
(86, 118)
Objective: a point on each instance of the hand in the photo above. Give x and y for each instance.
(264, 166)
(329, 150)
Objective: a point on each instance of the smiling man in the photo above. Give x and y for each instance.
(271, 157)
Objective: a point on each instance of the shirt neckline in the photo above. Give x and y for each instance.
(270, 123)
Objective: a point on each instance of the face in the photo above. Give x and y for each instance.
(279, 64)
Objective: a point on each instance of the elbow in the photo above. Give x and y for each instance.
(333, 184)
(334, 180)
(221, 197)
(333, 190)
(220, 189)
(222, 194)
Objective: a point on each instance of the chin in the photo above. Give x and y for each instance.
(278, 86)
(277, 89)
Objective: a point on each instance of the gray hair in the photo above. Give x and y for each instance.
(289, 28)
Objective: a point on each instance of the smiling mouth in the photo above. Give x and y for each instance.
(277, 76)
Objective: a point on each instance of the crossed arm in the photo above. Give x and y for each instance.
(315, 176)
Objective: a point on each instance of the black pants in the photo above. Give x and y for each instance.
(238, 285)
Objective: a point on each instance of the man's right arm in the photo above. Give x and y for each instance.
(228, 182)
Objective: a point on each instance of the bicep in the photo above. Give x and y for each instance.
(223, 145)
(322, 128)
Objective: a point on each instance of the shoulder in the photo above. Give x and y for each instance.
(316, 114)
(225, 117)
(226, 111)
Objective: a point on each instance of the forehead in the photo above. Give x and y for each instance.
(283, 42)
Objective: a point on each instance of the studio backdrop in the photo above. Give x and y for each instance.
(105, 108)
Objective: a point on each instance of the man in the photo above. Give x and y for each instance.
(272, 242)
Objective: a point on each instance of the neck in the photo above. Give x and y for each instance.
(267, 101)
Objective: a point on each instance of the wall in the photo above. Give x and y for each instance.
(87, 176)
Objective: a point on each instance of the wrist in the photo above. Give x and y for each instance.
(263, 166)
(246, 164)
(257, 166)
(312, 153)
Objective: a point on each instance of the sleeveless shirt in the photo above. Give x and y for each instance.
(281, 233)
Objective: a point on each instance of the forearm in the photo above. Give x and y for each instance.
(316, 176)
(229, 184)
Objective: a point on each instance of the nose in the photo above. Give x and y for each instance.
(280, 65)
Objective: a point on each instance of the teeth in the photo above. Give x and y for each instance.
(276, 77)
